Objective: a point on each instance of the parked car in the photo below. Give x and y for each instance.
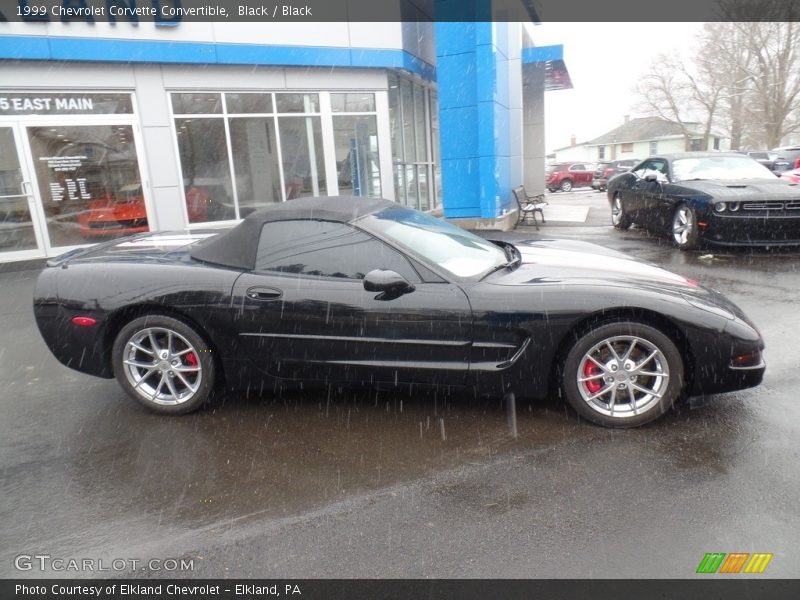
(122, 214)
(792, 176)
(333, 291)
(788, 158)
(701, 197)
(569, 175)
(607, 169)
(771, 160)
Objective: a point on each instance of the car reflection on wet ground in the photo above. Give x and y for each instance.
(407, 484)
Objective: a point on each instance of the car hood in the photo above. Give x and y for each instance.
(569, 262)
(752, 189)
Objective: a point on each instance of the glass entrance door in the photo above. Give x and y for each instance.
(19, 235)
(89, 182)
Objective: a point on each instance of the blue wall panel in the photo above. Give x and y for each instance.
(474, 111)
(22, 47)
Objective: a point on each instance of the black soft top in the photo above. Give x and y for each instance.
(237, 247)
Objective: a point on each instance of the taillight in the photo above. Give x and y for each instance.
(609, 173)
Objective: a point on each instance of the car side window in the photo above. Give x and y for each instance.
(578, 167)
(656, 166)
(326, 249)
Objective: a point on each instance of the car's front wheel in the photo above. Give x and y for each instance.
(164, 364)
(618, 217)
(685, 233)
(622, 374)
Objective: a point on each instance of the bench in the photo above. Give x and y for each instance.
(528, 206)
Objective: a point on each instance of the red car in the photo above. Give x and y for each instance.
(568, 175)
(114, 216)
(792, 176)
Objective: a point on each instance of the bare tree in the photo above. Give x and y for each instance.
(743, 77)
(725, 54)
(774, 77)
(665, 92)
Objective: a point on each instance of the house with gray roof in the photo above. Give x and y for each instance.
(640, 138)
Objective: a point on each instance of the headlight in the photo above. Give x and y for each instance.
(733, 206)
(720, 207)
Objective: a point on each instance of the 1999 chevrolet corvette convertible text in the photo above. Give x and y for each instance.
(364, 291)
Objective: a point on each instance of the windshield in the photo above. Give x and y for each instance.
(456, 250)
(719, 167)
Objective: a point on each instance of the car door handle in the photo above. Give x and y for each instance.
(263, 293)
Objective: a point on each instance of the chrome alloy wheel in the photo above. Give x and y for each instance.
(616, 211)
(162, 366)
(623, 376)
(682, 225)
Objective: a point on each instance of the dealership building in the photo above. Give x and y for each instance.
(108, 129)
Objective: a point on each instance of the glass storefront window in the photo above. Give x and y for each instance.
(357, 164)
(420, 124)
(411, 186)
(16, 226)
(297, 103)
(422, 176)
(196, 104)
(353, 102)
(206, 171)
(437, 168)
(417, 175)
(89, 179)
(248, 103)
(303, 162)
(407, 104)
(255, 153)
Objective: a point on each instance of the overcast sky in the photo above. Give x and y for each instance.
(604, 61)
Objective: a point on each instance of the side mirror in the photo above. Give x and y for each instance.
(389, 282)
(651, 178)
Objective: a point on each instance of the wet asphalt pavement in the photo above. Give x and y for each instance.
(383, 484)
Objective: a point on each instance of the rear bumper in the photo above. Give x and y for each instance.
(79, 348)
(600, 184)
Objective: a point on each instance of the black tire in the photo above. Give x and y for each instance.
(195, 365)
(566, 185)
(619, 219)
(688, 239)
(552, 190)
(666, 387)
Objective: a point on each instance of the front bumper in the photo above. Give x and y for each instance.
(718, 372)
(751, 230)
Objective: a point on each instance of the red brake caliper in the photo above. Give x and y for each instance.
(590, 369)
(191, 359)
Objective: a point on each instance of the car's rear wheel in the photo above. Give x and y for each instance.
(685, 233)
(618, 217)
(164, 364)
(622, 374)
(566, 185)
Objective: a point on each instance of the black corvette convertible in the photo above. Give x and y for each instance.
(718, 198)
(330, 290)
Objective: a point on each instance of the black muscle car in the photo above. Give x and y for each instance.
(707, 197)
(345, 290)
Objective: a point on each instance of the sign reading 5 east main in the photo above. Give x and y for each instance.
(12, 103)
